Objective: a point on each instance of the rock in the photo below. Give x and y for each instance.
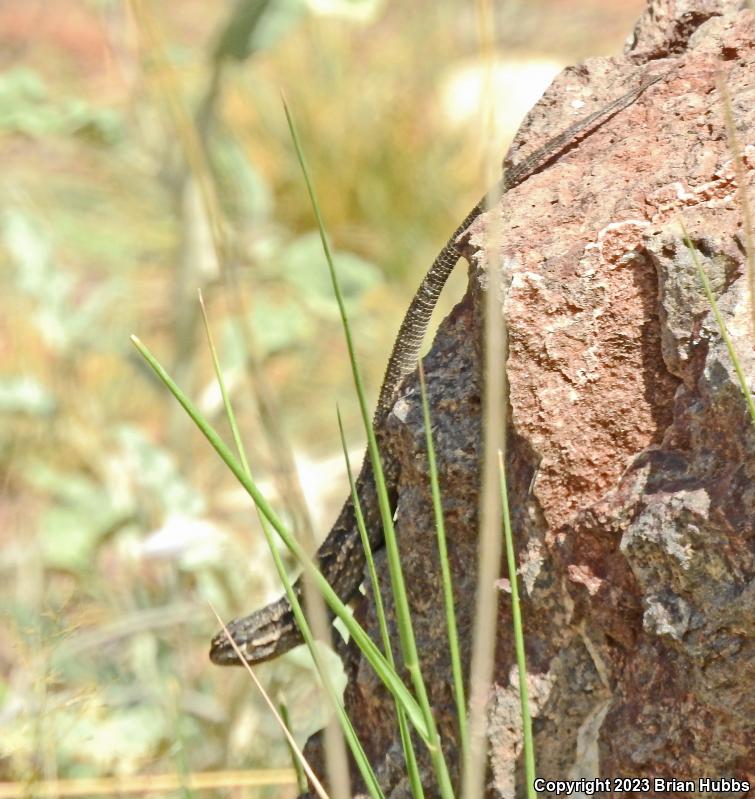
(630, 457)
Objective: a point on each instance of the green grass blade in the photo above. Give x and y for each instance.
(360, 756)
(721, 324)
(403, 615)
(516, 614)
(337, 765)
(448, 591)
(223, 392)
(406, 741)
(371, 652)
(301, 779)
(379, 607)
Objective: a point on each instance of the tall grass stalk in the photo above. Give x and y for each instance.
(336, 762)
(490, 540)
(516, 616)
(403, 616)
(362, 527)
(448, 590)
(406, 742)
(720, 321)
(495, 404)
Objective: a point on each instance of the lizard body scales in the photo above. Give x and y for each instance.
(272, 631)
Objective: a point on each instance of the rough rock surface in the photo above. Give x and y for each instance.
(631, 453)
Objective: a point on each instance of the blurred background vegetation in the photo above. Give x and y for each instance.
(144, 154)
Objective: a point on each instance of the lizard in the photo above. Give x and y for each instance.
(272, 630)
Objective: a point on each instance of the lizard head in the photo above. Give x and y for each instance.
(261, 636)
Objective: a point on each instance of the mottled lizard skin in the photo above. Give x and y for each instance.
(272, 631)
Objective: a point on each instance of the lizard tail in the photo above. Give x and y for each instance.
(403, 358)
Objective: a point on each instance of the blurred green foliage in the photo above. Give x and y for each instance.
(27, 106)
(117, 525)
